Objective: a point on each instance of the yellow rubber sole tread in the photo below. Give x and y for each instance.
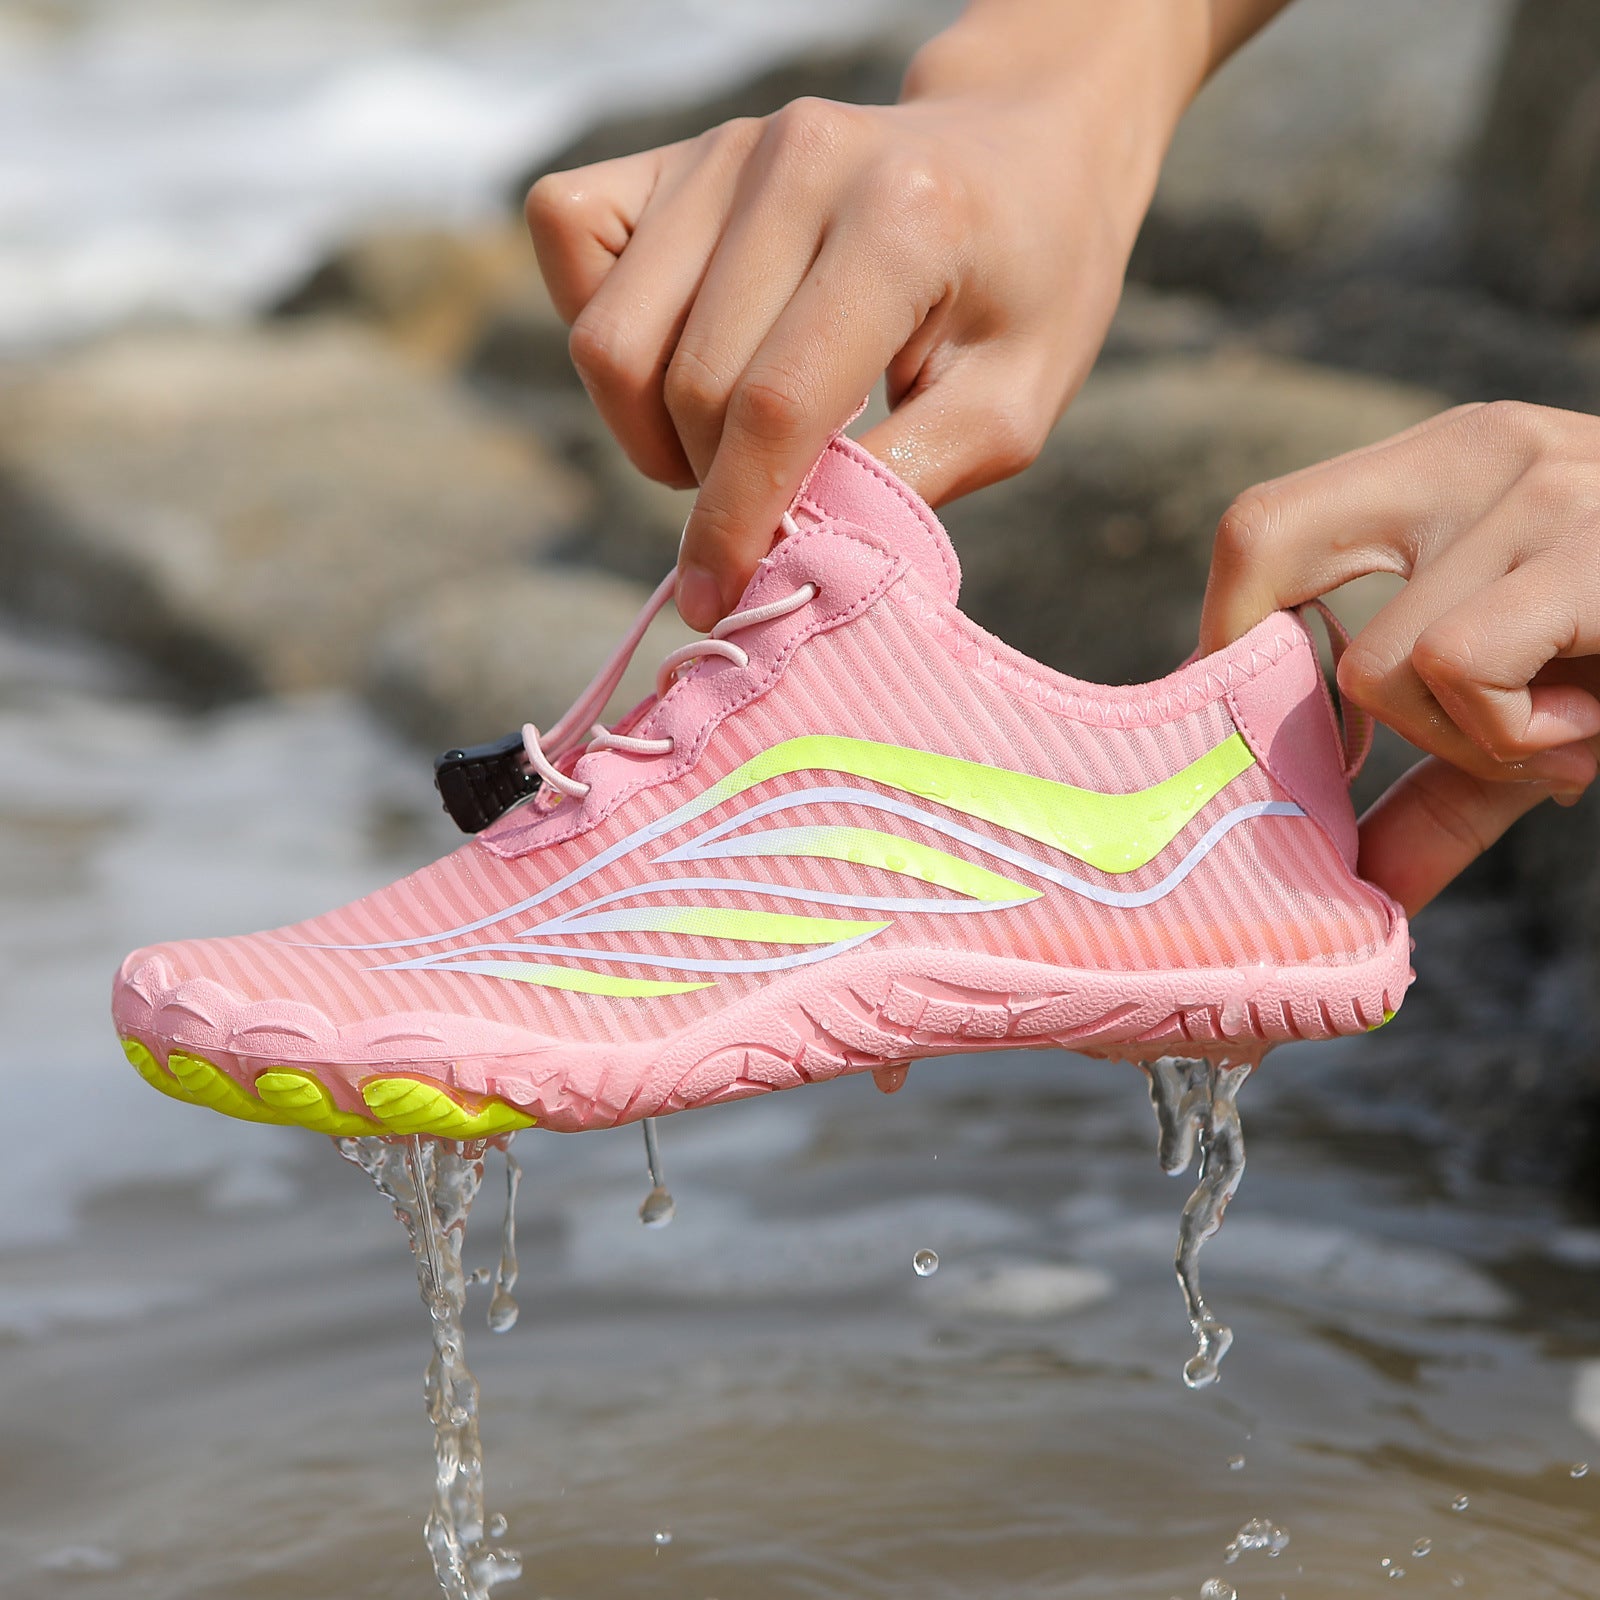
(407, 1105)
(152, 1071)
(301, 1098)
(293, 1097)
(208, 1085)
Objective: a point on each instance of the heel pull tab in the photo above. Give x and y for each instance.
(1355, 726)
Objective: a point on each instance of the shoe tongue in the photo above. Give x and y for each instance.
(852, 486)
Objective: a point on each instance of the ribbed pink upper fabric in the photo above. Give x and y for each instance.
(883, 655)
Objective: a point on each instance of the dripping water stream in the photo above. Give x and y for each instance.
(658, 1207)
(1196, 1106)
(431, 1183)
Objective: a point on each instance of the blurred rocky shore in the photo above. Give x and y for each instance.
(392, 482)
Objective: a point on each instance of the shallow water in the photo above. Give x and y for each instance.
(213, 1345)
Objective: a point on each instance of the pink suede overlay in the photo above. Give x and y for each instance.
(1285, 715)
(850, 486)
(851, 570)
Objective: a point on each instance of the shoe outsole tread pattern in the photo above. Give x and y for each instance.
(863, 1025)
(292, 1097)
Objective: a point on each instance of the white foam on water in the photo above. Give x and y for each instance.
(178, 158)
(723, 1247)
(1331, 1263)
(1021, 1291)
(38, 1310)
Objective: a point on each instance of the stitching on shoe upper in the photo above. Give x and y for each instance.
(975, 651)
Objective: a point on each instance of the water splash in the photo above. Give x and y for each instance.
(1195, 1105)
(658, 1207)
(1259, 1533)
(503, 1309)
(431, 1183)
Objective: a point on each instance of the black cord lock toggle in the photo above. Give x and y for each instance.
(483, 781)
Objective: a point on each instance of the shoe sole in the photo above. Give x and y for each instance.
(887, 1009)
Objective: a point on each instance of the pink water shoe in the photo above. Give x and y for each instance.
(851, 829)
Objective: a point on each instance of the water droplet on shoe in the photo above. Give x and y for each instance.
(663, 1538)
(1580, 1469)
(1236, 1464)
(925, 1263)
(1421, 1548)
(1460, 1503)
(1218, 1589)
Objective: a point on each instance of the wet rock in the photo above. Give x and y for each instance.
(523, 342)
(1095, 559)
(1338, 131)
(481, 654)
(1535, 175)
(1458, 340)
(445, 297)
(868, 73)
(249, 510)
(636, 524)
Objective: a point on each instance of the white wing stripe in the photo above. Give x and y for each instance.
(697, 849)
(820, 897)
(636, 957)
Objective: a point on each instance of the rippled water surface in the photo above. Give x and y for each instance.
(211, 1344)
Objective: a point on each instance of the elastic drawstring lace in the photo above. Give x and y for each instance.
(544, 750)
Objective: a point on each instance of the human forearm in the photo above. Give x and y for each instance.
(1151, 56)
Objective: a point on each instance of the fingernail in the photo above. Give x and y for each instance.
(1568, 770)
(699, 599)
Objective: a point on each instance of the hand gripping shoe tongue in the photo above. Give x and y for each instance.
(851, 829)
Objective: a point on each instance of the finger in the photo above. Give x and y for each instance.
(1479, 660)
(1386, 670)
(581, 222)
(972, 418)
(1432, 824)
(827, 349)
(774, 233)
(622, 340)
(1374, 510)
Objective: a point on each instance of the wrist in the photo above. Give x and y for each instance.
(1129, 69)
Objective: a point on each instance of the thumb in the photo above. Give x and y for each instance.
(1433, 824)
